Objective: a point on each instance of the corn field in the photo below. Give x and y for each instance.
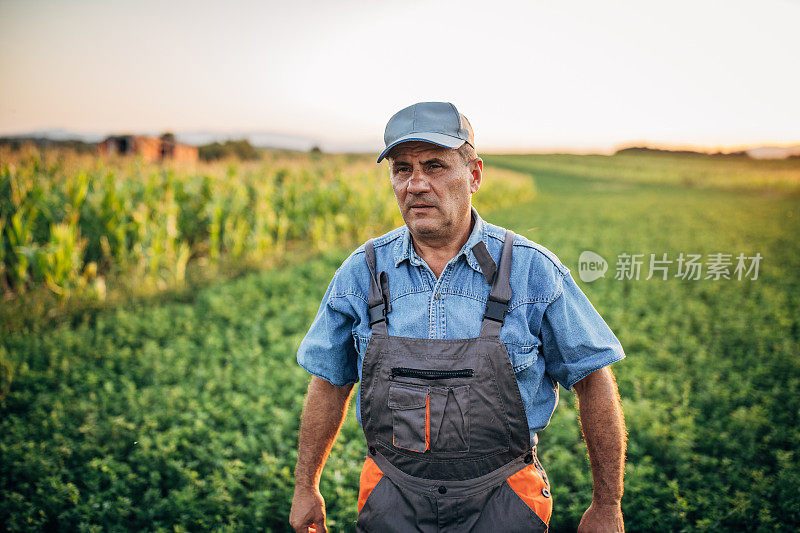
(69, 222)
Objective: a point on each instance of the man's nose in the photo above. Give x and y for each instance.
(418, 183)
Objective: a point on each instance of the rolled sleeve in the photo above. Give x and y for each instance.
(576, 340)
(327, 351)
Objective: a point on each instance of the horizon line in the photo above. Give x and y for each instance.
(362, 145)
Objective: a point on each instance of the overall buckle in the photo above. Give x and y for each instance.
(495, 309)
(377, 313)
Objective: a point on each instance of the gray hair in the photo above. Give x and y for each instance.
(467, 153)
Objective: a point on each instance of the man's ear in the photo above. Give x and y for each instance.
(476, 170)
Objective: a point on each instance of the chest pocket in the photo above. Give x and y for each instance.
(429, 418)
(410, 416)
(522, 356)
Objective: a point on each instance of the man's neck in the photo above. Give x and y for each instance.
(438, 252)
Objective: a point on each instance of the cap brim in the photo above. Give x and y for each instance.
(439, 139)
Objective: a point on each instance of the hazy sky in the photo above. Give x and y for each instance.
(528, 75)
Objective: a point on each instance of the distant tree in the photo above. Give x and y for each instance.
(241, 149)
(168, 137)
(209, 152)
(648, 150)
(43, 143)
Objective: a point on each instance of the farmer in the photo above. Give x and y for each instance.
(460, 332)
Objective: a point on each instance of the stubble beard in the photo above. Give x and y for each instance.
(437, 229)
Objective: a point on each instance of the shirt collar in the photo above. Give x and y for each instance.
(404, 250)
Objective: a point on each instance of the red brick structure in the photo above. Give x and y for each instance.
(150, 148)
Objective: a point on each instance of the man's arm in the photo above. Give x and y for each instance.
(323, 414)
(603, 428)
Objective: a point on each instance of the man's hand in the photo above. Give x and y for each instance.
(603, 428)
(602, 518)
(308, 508)
(323, 414)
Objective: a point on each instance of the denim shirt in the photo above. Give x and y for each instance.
(552, 332)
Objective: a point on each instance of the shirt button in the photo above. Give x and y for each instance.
(438, 296)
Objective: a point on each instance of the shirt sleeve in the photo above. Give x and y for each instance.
(327, 351)
(576, 340)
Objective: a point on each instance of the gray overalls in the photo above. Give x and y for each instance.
(447, 435)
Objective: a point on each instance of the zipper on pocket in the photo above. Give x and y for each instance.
(431, 374)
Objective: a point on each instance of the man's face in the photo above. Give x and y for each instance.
(433, 186)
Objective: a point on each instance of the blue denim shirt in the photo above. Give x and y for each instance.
(552, 332)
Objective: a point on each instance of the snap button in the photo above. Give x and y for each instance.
(442, 489)
(372, 450)
(528, 458)
(438, 295)
(545, 493)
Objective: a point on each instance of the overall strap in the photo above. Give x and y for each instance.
(500, 295)
(379, 303)
(485, 261)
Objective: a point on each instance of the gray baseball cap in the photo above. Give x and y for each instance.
(438, 123)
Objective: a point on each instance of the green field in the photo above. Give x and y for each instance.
(180, 413)
(728, 172)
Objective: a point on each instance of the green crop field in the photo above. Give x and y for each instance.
(180, 412)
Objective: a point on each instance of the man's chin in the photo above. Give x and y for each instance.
(424, 227)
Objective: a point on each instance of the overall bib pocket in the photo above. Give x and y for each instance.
(429, 418)
(409, 405)
(449, 412)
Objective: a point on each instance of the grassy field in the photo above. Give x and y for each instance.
(690, 170)
(711, 384)
(181, 413)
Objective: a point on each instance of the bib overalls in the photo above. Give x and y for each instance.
(449, 448)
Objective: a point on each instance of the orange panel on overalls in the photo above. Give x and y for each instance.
(447, 434)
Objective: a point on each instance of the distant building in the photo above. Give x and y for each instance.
(150, 148)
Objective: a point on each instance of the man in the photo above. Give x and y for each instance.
(459, 332)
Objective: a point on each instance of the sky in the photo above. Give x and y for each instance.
(530, 76)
